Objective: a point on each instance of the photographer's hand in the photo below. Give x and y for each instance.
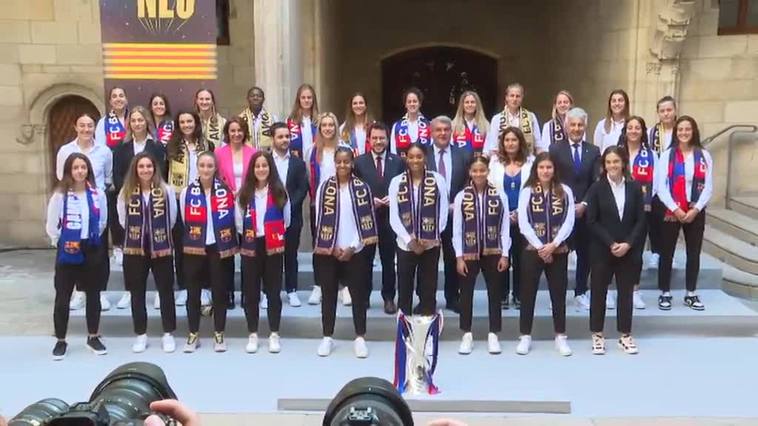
(174, 409)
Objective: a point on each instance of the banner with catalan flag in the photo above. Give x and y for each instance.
(159, 46)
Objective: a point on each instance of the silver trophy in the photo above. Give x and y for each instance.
(416, 350)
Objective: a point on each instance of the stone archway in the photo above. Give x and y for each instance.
(60, 126)
(442, 73)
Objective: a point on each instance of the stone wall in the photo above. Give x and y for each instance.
(236, 62)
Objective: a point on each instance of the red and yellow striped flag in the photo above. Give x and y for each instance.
(160, 61)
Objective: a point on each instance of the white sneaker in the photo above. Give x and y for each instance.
(140, 343)
(105, 305)
(157, 301)
(274, 346)
(205, 297)
(561, 343)
(180, 297)
(637, 300)
(315, 297)
(293, 299)
(524, 345)
(219, 345)
(125, 301)
(493, 344)
(360, 348)
(582, 302)
(193, 342)
(652, 260)
(346, 299)
(77, 301)
(264, 301)
(252, 343)
(326, 346)
(467, 344)
(118, 256)
(168, 343)
(610, 300)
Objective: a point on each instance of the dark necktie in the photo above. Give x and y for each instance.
(577, 160)
(379, 168)
(441, 169)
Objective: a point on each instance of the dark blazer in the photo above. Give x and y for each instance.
(122, 159)
(297, 189)
(604, 223)
(588, 173)
(365, 168)
(459, 159)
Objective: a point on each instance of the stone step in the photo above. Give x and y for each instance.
(734, 223)
(710, 274)
(740, 283)
(747, 205)
(724, 316)
(731, 250)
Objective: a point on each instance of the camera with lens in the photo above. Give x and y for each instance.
(368, 401)
(122, 398)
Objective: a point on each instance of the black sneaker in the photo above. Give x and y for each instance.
(59, 351)
(694, 303)
(664, 303)
(516, 302)
(96, 346)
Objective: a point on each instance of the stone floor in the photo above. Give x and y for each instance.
(686, 374)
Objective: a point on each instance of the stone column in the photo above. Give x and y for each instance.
(278, 51)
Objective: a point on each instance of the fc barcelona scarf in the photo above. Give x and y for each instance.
(164, 131)
(213, 130)
(315, 175)
(70, 243)
(471, 139)
(273, 228)
(196, 216)
(642, 172)
(557, 134)
(678, 180)
(327, 225)
(420, 216)
(115, 132)
(158, 227)
(403, 139)
(656, 138)
(261, 138)
(546, 213)
(350, 138)
(296, 137)
(481, 234)
(525, 123)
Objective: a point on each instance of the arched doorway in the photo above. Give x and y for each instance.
(61, 125)
(442, 73)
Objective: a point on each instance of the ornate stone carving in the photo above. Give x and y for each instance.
(673, 19)
(29, 133)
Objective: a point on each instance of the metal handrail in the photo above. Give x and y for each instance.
(730, 154)
(753, 128)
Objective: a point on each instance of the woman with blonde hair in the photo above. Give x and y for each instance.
(470, 124)
(357, 119)
(553, 131)
(211, 121)
(301, 120)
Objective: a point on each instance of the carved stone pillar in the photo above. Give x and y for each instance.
(672, 22)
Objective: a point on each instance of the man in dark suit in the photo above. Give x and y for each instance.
(291, 171)
(377, 168)
(578, 166)
(452, 163)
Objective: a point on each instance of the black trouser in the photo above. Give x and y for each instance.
(117, 232)
(514, 256)
(194, 270)
(177, 234)
(580, 238)
(626, 269)
(492, 277)
(408, 264)
(693, 238)
(387, 245)
(557, 280)
(291, 244)
(229, 273)
(136, 269)
(87, 276)
(452, 288)
(312, 213)
(329, 272)
(266, 268)
(654, 219)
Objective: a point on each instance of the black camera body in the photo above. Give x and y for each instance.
(122, 398)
